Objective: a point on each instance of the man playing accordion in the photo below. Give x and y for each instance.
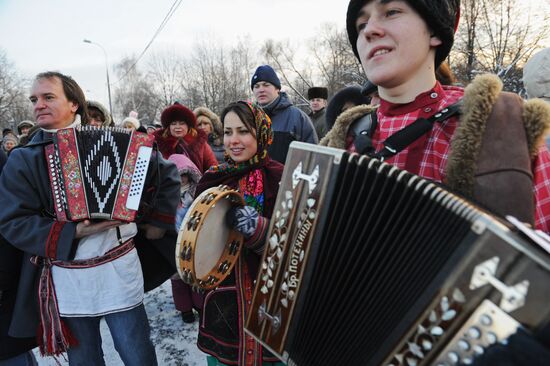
(483, 143)
(80, 271)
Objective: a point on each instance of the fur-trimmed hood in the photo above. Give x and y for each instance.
(25, 123)
(102, 109)
(217, 127)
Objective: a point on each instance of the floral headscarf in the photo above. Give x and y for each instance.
(264, 138)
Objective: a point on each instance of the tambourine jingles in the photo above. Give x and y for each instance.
(207, 248)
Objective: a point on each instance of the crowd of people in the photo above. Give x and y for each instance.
(59, 278)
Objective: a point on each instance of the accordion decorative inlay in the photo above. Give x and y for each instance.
(366, 264)
(98, 173)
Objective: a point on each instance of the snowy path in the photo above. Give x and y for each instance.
(175, 341)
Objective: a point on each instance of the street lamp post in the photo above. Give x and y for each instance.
(106, 71)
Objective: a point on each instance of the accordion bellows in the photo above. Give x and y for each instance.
(366, 264)
(98, 173)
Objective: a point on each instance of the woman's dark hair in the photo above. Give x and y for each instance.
(243, 111)
(72, 91)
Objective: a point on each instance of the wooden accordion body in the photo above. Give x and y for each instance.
(367, 264)
(98, 173)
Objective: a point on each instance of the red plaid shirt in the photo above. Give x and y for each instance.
(428, 155)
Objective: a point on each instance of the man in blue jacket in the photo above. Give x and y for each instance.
(288, 122)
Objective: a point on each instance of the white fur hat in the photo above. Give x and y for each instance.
(134, 121)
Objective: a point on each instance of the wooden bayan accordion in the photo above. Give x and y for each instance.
(366, 264)
(98, 173)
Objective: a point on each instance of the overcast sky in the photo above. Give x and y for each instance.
(40, 35)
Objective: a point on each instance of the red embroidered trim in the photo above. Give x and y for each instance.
(252, 353)
(110, 256)
(53, 238)
(54, 338)
(72, 174)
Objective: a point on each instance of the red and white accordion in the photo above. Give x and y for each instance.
(98, 173)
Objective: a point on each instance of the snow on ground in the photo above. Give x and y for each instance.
(174, 340)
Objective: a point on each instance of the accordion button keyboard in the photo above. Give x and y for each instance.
(138, 178)
(478, 350)
(464, 345)
(474, 333)
(479, 332)
(491, 338)
(454, 358)
(486, 320)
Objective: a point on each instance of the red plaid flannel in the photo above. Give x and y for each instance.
(428, 156)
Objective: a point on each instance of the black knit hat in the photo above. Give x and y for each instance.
(441, 16)
(351, 94)
(317, 92)
(265, 73)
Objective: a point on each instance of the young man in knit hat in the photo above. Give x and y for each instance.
(317, 97)
(400, 45)
(288, 122)
(490, 150)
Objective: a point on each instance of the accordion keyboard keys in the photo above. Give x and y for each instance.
(138, 179)
(488, 325)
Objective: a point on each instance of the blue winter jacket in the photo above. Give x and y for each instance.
(288, 124)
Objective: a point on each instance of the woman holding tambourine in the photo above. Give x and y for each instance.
(248, 169)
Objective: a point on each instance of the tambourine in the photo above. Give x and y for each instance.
(207, 248)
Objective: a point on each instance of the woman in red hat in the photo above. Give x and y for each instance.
(179, 135)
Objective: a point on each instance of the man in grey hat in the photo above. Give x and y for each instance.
(23, 129)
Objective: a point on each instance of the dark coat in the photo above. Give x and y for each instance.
(196, 148)
(10, 267)
(218, 150)
(319, 122)
(288, 124)
(28, 223)
(3, 159)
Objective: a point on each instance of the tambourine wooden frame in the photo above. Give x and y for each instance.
(189, 234)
